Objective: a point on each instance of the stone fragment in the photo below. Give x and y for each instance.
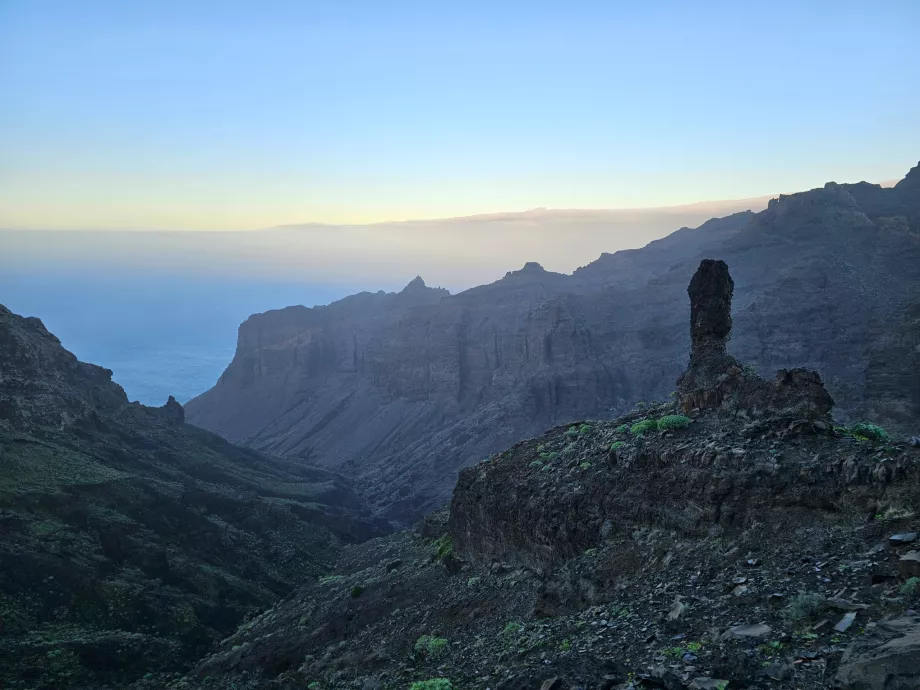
(903, 538)
(909, 565)
(708, 684)
(753, 631)
(677, 609)
(844, 624)
(554, 683)
(845, 605)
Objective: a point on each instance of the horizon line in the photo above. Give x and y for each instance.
(487, 216)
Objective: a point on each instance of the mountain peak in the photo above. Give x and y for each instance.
(911, 179)
(414, 285)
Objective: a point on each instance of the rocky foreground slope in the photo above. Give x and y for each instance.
(403, 390)
(734, 537)
(130, 541)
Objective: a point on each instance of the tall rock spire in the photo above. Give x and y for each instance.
(710, 294)
(715, 379)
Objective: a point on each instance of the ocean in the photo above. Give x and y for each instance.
(161, 335)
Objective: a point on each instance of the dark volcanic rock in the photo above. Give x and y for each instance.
(710, 327)
(715, 379)
(887, 658)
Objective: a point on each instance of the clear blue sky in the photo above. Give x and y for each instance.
(227, 114)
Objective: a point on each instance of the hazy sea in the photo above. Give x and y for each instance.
(160, 335)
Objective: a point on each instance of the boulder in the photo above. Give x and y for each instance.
(886, 658)
(909, 565)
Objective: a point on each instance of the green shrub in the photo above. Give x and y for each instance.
(673, 421)
(430, 646)
(357, 591)
(640, 428)
(911, 588)
(616, 444)
(640, 404)
(869, 432)
(622, 429)
(803, 607)
(444, 547)
(512, 628)
(473, 581)
(572, 431)
(535, 463)
(586, 465)
(584, 429)
(432, 684)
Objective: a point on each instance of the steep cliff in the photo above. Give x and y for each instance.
(130, 541)
(403, 393)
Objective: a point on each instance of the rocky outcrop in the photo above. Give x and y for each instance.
(701, 386)
(715, 379)
(174, 411)
(886, 658)
(402, 394)
(41, 383)
(726, 473)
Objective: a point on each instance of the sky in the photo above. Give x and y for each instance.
(240, 115)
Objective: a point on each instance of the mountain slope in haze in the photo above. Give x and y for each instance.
(130, 541)
(402, 395)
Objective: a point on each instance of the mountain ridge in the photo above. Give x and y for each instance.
(405, 397)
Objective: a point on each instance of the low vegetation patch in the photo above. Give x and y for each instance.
(864, 431)
(640, 428)
(512, 628)
(911, 589)
(622, 429)
(432, 684)
(673, 421)
(431, 646)
(444, 547)
(617, 444)
(804, 606)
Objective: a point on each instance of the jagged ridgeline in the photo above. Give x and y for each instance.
(404, 390)
(733, 537)
(131, 542)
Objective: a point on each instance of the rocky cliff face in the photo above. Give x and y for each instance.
(402, 391)
(130, 541)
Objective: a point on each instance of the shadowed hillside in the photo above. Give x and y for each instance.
(131, 541)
